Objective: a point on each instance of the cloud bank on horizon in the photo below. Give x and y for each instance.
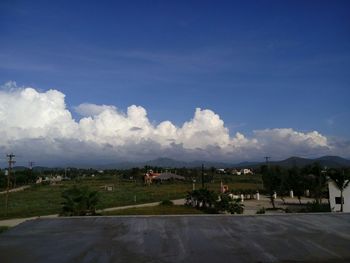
(37, 125)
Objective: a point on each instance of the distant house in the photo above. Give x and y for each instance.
(236, 172)
(221, 171)
(168, 176)
(247, 171)
(335, 199)
(151, 176)
(243, 171)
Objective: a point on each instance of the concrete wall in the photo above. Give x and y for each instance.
(334, 192)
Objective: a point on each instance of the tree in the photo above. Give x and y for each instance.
(79, 201)
(342, 181)
(201, 198)
(227, 204)
(272, 181)
(316, 179)
(296, 182)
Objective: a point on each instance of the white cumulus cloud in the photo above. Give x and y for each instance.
(38, 125)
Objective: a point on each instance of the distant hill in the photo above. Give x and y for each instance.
(333, 161)
(329, 161)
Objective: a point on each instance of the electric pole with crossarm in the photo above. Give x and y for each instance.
(11, 161)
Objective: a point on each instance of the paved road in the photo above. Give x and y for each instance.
(16, 189)
(247, 239)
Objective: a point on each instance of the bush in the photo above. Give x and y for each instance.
(166, 202)
(261, 211)
(3, 228)
(315, 207)
(79, 201)
(201, 198)
(227, 205)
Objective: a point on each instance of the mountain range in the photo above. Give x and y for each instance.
(329, 161)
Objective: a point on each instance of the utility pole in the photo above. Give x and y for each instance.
(267, 158)
(10, 157)
(202, 175)
(31, 165)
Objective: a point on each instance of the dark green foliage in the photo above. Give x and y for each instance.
(166, 202)
(261, 211)
(272, 178)
(341, 180)
(316, 207)
(3, 229)
(201, 198)
(316, 180)
(296, 182)
(207, 200)
(227, 204)
(79, 201)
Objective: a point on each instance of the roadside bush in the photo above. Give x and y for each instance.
(3, 229)
(316, 207)
(261, 211)
(226, 204)
(79, 201)
(166, 202)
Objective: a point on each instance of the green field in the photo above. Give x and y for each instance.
(46, 199)
(155, 210)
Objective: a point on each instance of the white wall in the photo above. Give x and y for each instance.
(334, 192)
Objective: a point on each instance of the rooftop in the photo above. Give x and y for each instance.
(217, 238)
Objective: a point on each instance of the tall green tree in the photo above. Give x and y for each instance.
(271, 177)
(296, 182)
(342, 181)
(316, 178)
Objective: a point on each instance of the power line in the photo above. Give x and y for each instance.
(10, 161)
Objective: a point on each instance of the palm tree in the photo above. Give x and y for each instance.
(342, 181)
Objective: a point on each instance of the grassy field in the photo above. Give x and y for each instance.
(46, 199)
(156, 210)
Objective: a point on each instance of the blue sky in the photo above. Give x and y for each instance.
(257, 64)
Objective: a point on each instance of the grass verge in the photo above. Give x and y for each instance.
(155, 210)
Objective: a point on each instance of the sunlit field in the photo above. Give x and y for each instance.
(46, 199)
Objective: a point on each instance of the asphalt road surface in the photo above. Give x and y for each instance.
(260, 238)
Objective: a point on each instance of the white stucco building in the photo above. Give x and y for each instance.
(334, 197)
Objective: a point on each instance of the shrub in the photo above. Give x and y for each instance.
(166, 202)
(79, 201)
(316, 207)
(3, 228)
(261, 211)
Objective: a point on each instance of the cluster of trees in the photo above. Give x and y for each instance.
(18, 178)
(312, 178)
(210, 202)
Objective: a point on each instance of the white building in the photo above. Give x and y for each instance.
(334, 197)
(247, 171)
(244, 171)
